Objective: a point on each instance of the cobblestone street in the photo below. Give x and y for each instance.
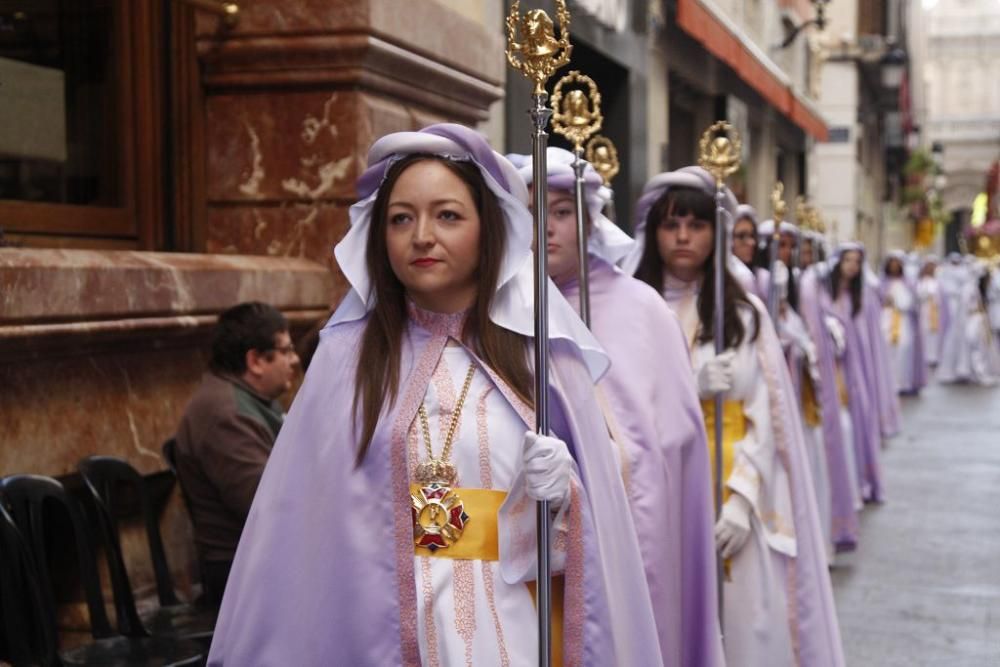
(924, 587)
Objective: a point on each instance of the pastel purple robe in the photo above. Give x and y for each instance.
(651, 394)
(324, 571)
(877, 366)
(862, 400)
(814, 302)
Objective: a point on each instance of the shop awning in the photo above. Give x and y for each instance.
(719, 39)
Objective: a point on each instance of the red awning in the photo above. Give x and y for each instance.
(705, 27)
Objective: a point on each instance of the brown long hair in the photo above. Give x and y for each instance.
(681, 202)
(854, 286)
(376, 380)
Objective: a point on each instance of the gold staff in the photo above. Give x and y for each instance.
(719, 154)
(577, 117)
(538, 55)
(778, 209)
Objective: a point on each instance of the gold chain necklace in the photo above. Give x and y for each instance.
(438, 468)
(439, 515)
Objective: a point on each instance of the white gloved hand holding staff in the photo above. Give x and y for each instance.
(716, 375)
(548, 468)
(732, 530)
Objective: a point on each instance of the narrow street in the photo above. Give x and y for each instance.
(924, 587)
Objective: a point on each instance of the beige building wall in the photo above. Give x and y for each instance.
(962, 76)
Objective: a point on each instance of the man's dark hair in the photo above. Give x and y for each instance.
(247, 326)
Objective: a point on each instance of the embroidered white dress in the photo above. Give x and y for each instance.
(897, 328)
(756, 615)
(930, 317)
(467, 614)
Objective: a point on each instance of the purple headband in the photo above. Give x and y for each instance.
(475, 145)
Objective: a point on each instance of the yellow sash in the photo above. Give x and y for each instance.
(842, 387)
(810, 406)
(734, 428)
(895, 324)
(479, 539)
(935, 316)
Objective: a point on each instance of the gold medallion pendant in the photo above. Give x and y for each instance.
(439, 515)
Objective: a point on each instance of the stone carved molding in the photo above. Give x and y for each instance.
(78, 302)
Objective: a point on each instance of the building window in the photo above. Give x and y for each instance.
(79, 136)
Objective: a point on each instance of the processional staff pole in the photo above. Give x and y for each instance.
(577, 117)
(720, 156)
(538, 55)
(778, 215)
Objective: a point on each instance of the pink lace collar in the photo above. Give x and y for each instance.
(439, 324)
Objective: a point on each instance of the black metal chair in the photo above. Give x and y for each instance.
(28, 623)
(28, 594)
(108, 479)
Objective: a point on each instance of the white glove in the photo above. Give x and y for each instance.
(733, 528)
(548, 467)
(836, 330)
(812, 361)
(716, 375)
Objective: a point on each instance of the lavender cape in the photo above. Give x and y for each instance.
(815, 630)
(654, 404)
(862, 403)
(324, 571)
(814, 301)
(877, 366)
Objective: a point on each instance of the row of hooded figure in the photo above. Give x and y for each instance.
(395, 521)
(951, 319)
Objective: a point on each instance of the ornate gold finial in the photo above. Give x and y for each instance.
(579, 115)
(819, 225)
(801, 211)
(601, 153)
(778, 206)
(719, 151)
(539, 54)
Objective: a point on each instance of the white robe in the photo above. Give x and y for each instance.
(993, 294)
(982, 352)
(927, 291)
(466, 612)
(954, 363)
(755, 615)
(966, 351)
(899, 303)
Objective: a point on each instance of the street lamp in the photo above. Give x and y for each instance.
(819, 20)
(893, 68)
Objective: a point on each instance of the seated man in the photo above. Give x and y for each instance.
(228, 429)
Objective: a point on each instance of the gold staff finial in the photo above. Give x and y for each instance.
(801, 211)
(601, 153)
(539, 54)
(817, 221)
(579, 115)
(778, 206)
(719, 151)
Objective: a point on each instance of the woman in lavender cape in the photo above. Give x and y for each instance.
(778, 602)
(651, 406)
(849, 295)
(901, 325)
(395, 522)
